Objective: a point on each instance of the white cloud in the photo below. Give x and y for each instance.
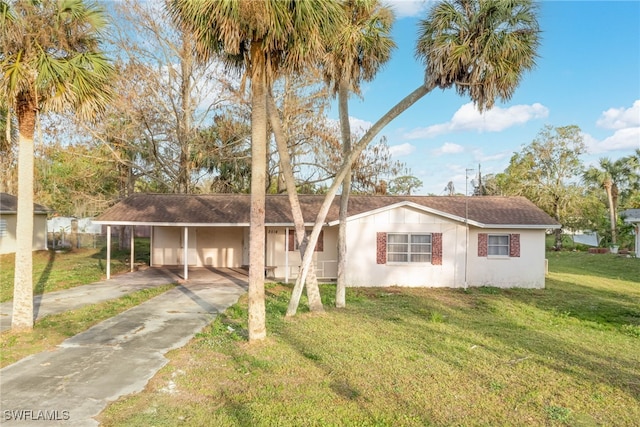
(448, 148)
(402, 149)
(359, 126)
(620, 118)
(467, 118)
(479, 156)
(405, 8)
(622, 139)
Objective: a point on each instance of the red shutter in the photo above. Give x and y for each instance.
(381, 248)
(483, 244)
(320, 242)
(514, 245)
(292, 240)
(436, 248)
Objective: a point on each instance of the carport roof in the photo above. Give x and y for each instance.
(233, 209)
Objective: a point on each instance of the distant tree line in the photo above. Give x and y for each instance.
(551, 173)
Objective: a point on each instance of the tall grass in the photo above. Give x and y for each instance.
(565, 355)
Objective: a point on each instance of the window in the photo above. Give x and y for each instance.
(3, 227)
(498, 245)
(293, 242)
(408, 247)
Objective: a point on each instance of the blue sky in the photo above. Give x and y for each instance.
(588, 74)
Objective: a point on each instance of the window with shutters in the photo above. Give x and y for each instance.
(293, 242)
(3, 227)
(499, 245)
(408, 248)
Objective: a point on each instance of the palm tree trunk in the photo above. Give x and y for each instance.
(257, 320)
(394, 112)
(184, 116)
(345, 130)
(23, 280)
(608, 186)
(313, 291)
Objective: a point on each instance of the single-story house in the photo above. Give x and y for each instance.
(8, 219)
(431, 241)
(632, 216)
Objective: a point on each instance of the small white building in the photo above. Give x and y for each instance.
(427, 241)
(8, 219)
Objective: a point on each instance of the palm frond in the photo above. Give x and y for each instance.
(482, 47)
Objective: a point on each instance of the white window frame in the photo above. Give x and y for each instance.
(410, 248)
(3, 228)
(496, 246)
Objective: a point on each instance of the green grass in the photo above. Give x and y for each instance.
(565, 355)
(53, 329)
(54, 271)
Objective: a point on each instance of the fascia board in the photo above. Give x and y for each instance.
(406, 204)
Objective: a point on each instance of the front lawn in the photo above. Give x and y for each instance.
(57, 270)
(566, 355)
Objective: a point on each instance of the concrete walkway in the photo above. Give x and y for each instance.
(76, 381)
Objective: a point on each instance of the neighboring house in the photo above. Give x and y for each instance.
(62, 224)
(632, 216)
(391, 240)
(8, 217)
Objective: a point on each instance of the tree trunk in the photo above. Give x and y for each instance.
(313, 291)
(184, 116)
(394, 112)
(257, 314)
(345, 131)
(23, 280)
(608, 186)
(557, 231)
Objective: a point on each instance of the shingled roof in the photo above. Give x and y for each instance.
(233, 209)
(9, 205)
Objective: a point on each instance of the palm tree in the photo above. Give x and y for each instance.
(265, 39)
(359, 49)
(610, 176)
(50, 61)
(480, 47)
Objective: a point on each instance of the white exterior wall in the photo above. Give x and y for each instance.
(362, 269)
(208, 246)
(277, 256)
(167, 246)
(8, 241)
(220, 246)
(525, 271)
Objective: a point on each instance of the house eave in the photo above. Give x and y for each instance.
(520, 226)
(16, 212)
(445, 215)
(193, 224)
(399, 205)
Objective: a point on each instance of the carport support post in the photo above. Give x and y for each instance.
(108, 252)
(185, 253)
(132, 255)
(286, 255)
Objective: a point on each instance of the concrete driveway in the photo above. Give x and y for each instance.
(76, 381)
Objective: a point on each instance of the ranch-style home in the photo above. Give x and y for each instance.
(429, 241)
(8, 219)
